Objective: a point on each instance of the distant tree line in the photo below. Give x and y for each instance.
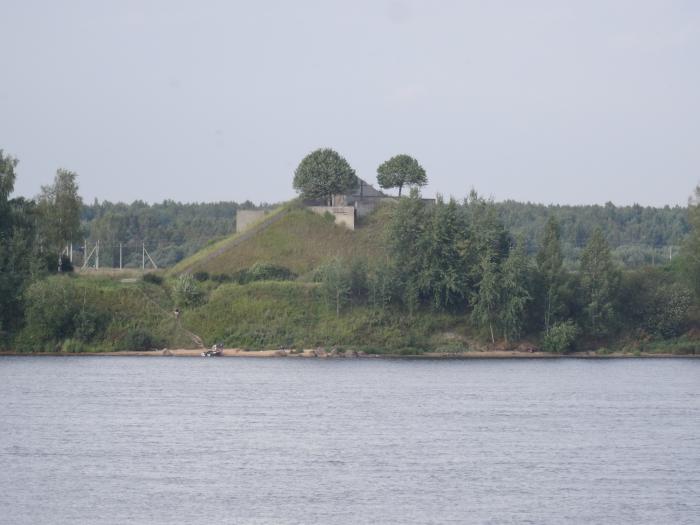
(170, 230)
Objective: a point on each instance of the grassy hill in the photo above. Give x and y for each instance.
(295, 238)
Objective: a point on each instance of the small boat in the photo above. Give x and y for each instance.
(216, 350)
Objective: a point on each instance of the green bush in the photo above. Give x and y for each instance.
(201, 276)
(139, 339)
(152, 278)
(73, 346)
(268, 272)
(87, 325)
(561, 337)
(187, 292)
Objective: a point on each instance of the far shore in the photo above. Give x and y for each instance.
(334, 354)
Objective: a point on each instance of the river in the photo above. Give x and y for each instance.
(117, 440)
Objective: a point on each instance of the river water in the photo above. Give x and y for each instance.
(116, 440)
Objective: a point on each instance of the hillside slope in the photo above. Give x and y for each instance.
(298, 239)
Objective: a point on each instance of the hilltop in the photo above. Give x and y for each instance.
(293, 237)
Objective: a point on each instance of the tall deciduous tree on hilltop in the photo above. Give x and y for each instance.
(600, 281)
(322, 174)
(59, 207)
(400, 171)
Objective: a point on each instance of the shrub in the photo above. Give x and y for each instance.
(268, 272)
(152, 278)
(187, 292)
(561, 337)
(139, 339)
(73, 346)
(201, 276)
(87, 325)
(52, 305)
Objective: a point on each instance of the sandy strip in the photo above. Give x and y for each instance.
(322, 354)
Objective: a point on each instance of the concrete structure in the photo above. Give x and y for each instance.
(344, 215)
(246, 218)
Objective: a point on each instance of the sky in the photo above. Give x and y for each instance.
(566, 102)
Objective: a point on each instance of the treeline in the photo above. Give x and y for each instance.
(170, 230)
(638, 235)
(462, 259)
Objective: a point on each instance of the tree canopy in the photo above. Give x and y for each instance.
(322, 174)
(399, 171)
(60, 207)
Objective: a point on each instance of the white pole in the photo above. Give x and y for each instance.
(97, 256)
(143, 256)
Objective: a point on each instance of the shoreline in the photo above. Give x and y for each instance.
(333, 354)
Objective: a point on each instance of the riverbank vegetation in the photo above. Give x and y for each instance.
(448, 276)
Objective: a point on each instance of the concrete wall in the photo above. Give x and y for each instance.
(244, 218)
(344, 215)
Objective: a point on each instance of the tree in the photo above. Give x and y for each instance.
(691, 246)
(16, 248)
(7, 186)
(322, 174)
(443, 276)
(599, 280)
(550, 269)
(399, 171)
(406, 239)
(336, 284)
(59, 207)
(514, 275)
(487, 299)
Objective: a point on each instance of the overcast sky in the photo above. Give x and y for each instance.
(567, 102)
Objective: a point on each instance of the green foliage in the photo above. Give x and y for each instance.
(270, 314)
(442, 277)
(52, 306)
(74, 346)
(322, 174)
(186, 291)
(487, 298)
(400, 171)
(599, 282)
(561, 337)
(337, 279)
(514, 287)
(152, 278)
(261, 271)
(88, 325)
(59, 208)
(691, 246)
(99, 312)
(18, 264)
(655, 302)
(637, 235)
(139, 339)
(171, 230)
(550, 272)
